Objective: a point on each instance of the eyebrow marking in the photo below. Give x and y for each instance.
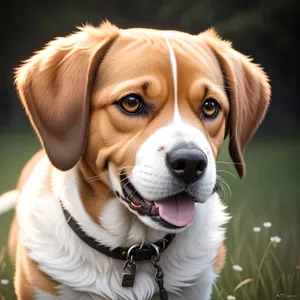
(145, 86)
(206, 90)
(177, 118)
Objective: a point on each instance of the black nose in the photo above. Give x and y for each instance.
(187, 164)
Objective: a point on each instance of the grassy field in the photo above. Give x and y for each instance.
(270, 192)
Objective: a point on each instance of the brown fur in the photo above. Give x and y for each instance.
(55, 84)
(249, 94)
(28, 277)
(220, 259)
(68, 90)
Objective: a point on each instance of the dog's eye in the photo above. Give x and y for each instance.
(131, 104)
(210, 108)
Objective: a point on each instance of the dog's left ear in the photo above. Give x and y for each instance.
(248, 89)
(55, 88)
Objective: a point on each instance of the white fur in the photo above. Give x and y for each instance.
(176, 119)
(8, 201)
(84, 272)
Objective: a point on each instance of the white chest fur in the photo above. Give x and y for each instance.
(86, 274)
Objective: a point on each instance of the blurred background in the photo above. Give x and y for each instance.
(264, 29)
(268, 31)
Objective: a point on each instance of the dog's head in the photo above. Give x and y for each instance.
(148, 108)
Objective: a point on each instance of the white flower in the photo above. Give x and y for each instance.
(256, 229)
(267, 224)
(4, 281)
(237, 268)
(230, 297)
(275, 239)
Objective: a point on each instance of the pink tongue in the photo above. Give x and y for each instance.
(177, 210)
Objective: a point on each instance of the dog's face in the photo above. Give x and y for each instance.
(148, 108)
(159, 114)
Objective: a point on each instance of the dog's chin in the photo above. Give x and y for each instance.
(172, 214)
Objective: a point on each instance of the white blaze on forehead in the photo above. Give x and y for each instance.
(177, 119)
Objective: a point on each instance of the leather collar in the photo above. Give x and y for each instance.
(140, 252)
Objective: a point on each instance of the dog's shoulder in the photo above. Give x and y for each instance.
(14, 229)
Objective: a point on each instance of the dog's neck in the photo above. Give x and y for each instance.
(98, 212)
(93, 190)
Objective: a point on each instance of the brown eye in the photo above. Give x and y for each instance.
(210, 108)
(131, 104)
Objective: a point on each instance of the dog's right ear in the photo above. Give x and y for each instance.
(55, 85)
(248, 90)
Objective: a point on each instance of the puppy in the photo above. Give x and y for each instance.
(121, 201)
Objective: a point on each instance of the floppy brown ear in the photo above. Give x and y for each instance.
(55, 85)
(248, 90)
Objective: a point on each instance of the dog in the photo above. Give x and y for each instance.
(121, 202)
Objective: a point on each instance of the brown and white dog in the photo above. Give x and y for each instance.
(131, 123)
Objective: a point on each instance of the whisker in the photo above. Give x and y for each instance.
(90, 179)
(227, 162)
(230, 164)
(105, 197)
(99, 176)
(225, 184)
(227, 172)
(124, 179)
(127, 167)
(221, 190)
(125, 183)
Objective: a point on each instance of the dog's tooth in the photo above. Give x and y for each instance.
(133, 205)
(154, 210)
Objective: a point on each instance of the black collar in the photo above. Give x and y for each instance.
(140, 252)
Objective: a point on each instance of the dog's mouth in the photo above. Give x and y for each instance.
(176, 211)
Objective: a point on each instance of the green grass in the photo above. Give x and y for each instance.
(270, 192)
